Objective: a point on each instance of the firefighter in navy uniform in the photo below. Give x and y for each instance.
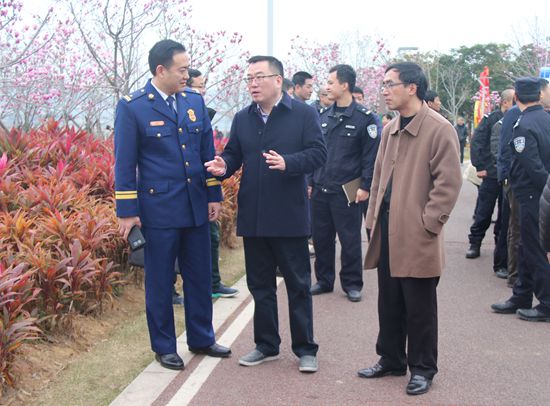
(351, 134)
(530, 168)
(165, 133)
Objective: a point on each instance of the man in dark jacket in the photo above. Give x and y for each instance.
(528, 176)
(277, 141)
(462, 133)
(484, 149)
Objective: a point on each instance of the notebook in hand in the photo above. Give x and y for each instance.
(350, 189)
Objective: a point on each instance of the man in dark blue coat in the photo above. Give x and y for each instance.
(277, 141)
(166, 135)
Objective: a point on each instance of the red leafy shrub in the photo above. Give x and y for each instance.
(17, 292)
(58, 242)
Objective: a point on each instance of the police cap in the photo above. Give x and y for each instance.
(527, 86)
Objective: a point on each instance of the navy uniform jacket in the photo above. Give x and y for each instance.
(480, 148)
(352, 143)
(171, 188)
(504, 159)
(531, 148)
(273, 203)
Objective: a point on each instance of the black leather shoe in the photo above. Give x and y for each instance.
(473, 251)
(170, 361)
(378, 371)
(506, 307)
(215, 350)
(318, 289)
(533, 315)
(353, 295)
(418, 385)
(501, 273)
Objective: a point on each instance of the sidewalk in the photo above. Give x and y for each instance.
(484, 358)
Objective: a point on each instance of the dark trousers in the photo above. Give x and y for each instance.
(332, 215)
(462, 145)
(291, 255)
(487, 198)
(500, 255)
(191, 247)
(215, 253)
(407, 309)
(533, 266)
(513, 235)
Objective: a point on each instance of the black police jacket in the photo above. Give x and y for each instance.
(352, 141)
(480, 149)
(531, 147)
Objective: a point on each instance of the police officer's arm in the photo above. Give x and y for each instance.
(126, 152)
(504, 160)
(314, 153)
(369, 147)
(447, 180)
(479, 147)
(529, 157)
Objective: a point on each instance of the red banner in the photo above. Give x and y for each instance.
(483, 104)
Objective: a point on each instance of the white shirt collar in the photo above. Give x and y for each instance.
(276, 104)
(162, 94)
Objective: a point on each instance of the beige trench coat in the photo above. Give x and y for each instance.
(424, 159)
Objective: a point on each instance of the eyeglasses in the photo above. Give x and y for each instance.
(389, 85)
(258, 79)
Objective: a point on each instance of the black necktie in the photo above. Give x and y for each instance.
(172, 104)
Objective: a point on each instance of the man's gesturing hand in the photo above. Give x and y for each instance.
(216, 167)
(274, 160)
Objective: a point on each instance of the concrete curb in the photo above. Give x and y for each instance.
(154, 381)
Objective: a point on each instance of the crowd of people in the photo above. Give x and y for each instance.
(316, 172)
(510, 149)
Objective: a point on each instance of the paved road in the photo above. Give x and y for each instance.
(484, 358)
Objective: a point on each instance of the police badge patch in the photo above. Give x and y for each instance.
(519, 144)
(372, 130)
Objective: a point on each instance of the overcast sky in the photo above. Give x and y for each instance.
(428, 25)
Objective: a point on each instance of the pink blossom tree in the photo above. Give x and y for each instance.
(366, 55)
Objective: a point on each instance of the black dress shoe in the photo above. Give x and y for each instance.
(317, 289)
(215, 350)
(473, 251)
(170, 361)
(533, 315)
(353, 295)
(501, 273)
(418, 385)
(378, 371)
(507, 307)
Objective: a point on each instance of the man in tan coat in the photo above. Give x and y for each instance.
(416, 183)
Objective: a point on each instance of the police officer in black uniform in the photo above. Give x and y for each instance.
(490, 189)
(351, 135)
(530, 169)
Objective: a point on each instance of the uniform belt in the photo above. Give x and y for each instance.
(325, 189)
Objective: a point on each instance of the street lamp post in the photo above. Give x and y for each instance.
(270, 27)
